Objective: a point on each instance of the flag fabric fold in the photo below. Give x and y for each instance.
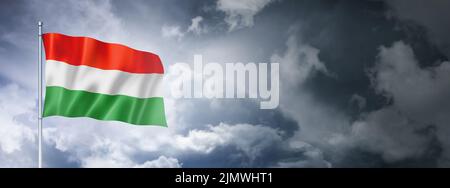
(105, 81)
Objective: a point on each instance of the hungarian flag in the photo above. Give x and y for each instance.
(105, 81)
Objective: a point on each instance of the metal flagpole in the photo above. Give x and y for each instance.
(40, 96)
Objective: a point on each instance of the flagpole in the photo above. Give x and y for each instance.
(40, 97)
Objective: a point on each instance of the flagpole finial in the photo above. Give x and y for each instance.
(40, 23)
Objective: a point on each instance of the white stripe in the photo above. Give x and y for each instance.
(112, 82)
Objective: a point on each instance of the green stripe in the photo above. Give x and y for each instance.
(74, 103)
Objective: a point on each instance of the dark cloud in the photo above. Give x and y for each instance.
(362, 83)
(432, 15)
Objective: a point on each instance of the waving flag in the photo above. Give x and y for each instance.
(105, 81)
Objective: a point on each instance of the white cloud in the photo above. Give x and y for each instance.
(299, 61)
(312, 157)
(175, 31)
(111, 154)
(93, 18)
(106, 144)
(172, 31)
(418, 95)
(239, 13)
(107, 153)
(17, 137)
(161, 162)
(115, 145)
(388, 132)
(14, 133)
(196, 27)
(250, 139)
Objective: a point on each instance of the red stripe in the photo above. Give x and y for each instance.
(94, 53)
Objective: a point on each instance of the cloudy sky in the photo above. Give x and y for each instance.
(363, 83)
